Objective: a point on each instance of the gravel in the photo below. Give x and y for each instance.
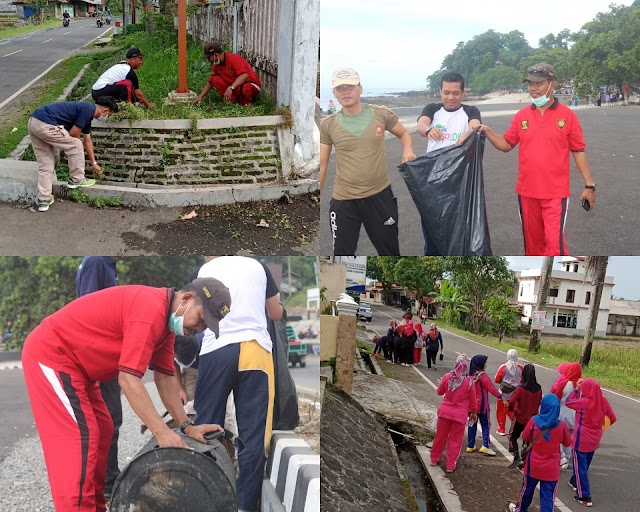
(24, 485)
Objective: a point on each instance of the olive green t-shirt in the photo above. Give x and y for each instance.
(361, 169)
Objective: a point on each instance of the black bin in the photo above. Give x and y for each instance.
(177, 480)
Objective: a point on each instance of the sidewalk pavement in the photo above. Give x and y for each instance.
(480, 483)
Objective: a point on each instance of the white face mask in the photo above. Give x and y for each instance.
(103, 118)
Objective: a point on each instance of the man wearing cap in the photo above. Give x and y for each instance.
(59, 125)
(445, 124)
(547, 131)
(120, 331)
(121, 81)
(239, 359)
(231, 76)
(362, 191)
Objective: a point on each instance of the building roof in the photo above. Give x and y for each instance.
(624, 307)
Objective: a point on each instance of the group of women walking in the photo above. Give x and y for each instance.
(564, 425)
(404, 342)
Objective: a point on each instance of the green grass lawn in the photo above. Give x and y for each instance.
(60, 77)
(613, 367)
(7, 33)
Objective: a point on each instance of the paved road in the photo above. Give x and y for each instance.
(23, 59)
(613, 473)
(613, 152)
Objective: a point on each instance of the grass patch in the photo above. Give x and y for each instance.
(159, 76)
(59, 77)
(612, 367)
(298, 299)
(7, 33)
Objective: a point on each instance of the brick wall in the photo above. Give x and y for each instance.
(215, 151)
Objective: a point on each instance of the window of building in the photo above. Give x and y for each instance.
(553, 292)
(567, 321)
(587, 299)
(571, 296)
(575, 267)
(521, 290)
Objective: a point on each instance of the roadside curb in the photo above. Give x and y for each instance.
(441, 484)
(308, 393)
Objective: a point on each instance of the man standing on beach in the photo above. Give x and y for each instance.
(362, 191)
(547, 131)
(445, 124)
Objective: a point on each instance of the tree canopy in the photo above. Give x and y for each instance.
(605, 51)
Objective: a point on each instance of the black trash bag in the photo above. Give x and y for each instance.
(285, 407)
(448, 190)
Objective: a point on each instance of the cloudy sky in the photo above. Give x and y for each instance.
(624, 270)
(398, 44)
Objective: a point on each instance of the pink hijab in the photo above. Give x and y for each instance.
(595, 408)
(408, 328)
(459, 372)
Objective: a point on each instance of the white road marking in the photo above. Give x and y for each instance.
(19, 92)
(561, 506)
(47, 41)
(67, 33)
(12, 53)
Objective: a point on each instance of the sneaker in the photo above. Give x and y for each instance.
(87, 182)
(516, 463)
(43, 206)
(583, 501)
(429, 444)
(487, 451)
(435, 367)
(501, 432)
(471, 450)
(451, 470)
(573, 486)
(513, 507)
(564, 463)
(434, 463)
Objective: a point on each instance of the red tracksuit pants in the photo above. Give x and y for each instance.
(502, 412)
(543, 222)
(75, 429)
(449, 434)
(244, 94)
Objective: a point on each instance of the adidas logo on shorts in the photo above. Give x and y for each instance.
(390, 222)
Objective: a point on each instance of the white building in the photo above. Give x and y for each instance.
(569, 300)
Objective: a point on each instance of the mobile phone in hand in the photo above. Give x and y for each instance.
(586, 205)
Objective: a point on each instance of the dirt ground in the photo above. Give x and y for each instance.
(233, 229)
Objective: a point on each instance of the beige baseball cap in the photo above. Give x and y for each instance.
(345, 76)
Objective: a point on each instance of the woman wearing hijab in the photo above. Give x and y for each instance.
(483, 386)
(567, 381)
(388, 345)
(525, 402)
(544, 433)
(593, 415)
(459, 400)
(509, 376)
(432, 338)
(409, 338)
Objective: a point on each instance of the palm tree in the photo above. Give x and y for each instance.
(543, 292)
(596, 271)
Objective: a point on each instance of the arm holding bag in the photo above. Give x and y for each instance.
(448, 189)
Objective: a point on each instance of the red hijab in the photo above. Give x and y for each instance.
(595, 408)
(568, 372)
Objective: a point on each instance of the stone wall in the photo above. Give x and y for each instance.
(213, 152)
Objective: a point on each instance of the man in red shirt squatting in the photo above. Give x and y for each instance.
(231, 76)
(547, 131)
(118, 331)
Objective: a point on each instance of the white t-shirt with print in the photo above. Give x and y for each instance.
(452, 124)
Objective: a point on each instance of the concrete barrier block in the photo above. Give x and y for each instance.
(292, 476)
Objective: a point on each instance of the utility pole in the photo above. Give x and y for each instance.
(541, 305)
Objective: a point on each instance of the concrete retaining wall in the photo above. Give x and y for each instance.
(186, 152)
(292, 480)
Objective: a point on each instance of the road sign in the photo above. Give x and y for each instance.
(538, 320)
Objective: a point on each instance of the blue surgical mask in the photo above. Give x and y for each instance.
(216, 62)
(102, 118)
(176, 323)
(542, 100)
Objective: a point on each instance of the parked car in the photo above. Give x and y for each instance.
(364, 312)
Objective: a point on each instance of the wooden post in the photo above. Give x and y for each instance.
(182, 47)
(345, 351)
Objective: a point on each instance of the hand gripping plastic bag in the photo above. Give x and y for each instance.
(447, 187)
